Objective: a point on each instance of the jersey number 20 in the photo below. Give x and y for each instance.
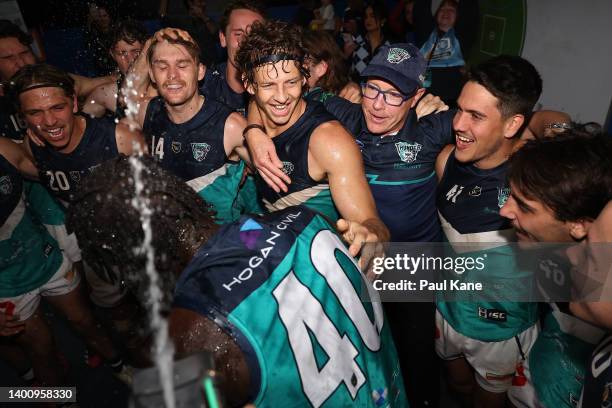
(301, 312)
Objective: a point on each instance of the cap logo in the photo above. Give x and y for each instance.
(397, 55)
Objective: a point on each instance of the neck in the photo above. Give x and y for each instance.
(375, 38)
(78, 129)
(231, 75)
(182, 113)
(272, 129)
(500, 156)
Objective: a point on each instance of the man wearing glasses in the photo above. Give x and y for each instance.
(399, 153)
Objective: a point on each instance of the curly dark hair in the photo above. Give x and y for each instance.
(109, 228)
(513, 80)
(570, 173)
(267, 39)
(29, 76)
(321, 46)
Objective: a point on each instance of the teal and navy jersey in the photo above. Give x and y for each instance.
(215, 86)
(194, 151)
(29, 256)
(11, 125)
(401, 169)
(287, 291)
(292, 149)
(597, 391)
(558, 358)
(63, 173)
(469, 200)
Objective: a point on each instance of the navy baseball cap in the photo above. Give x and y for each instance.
(400, 64)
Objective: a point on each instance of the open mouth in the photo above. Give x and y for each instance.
(280, 109)
(173, 88)
(55, 133)
(463, 142)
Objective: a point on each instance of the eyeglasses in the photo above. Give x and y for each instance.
(390, 97)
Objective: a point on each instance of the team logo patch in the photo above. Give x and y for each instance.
(75, 176)
(288, 167)
(476, 191)
(200, 150)
(397, 55)
(379, 396)
(408, 151)
(6, 187)
(249, 232)
(176, 147)
(502, 196)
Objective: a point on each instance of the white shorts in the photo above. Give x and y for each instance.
(524, 395)
(494, 363)
(101, 292)
(64, 281)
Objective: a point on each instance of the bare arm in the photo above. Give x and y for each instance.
(18, 156)
(103, 98)
(539, 124)
(129, 141)
(233, 141)
(263, 153)
(333, 153)
(84, 86)
(442, 159)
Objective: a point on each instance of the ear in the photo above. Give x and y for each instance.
(417, 97)
(512, 125)
(579, 229)
(250, 88)
(222, 39)
(201, 71)
(321, 68)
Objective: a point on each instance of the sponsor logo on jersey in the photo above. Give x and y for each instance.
(476, 191)
(492, 314)
(288, 167)
(176, 147)
(397, 55)
(408, 151)
(48, 249)
(502, 196)
(6, 187)
(200, 150)
(379, 396)
(249, 232)
(75, 176)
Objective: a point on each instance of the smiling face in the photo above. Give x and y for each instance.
(13, 56)
(382, 118)
(534, 221)
(278, 92)
(446, 17)
(483, 136)
(49, 113)
(238, 25)
(175, 72)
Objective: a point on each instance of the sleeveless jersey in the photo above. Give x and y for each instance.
(62, 173)
(194, 152)
(29, 256)
(469, 200)
(292, 150)
(11, 125)
(215, 86)
(558, 359)
(597, 391)
(286, 289)
(401, 168)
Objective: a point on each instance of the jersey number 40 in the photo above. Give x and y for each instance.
(302, 313)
